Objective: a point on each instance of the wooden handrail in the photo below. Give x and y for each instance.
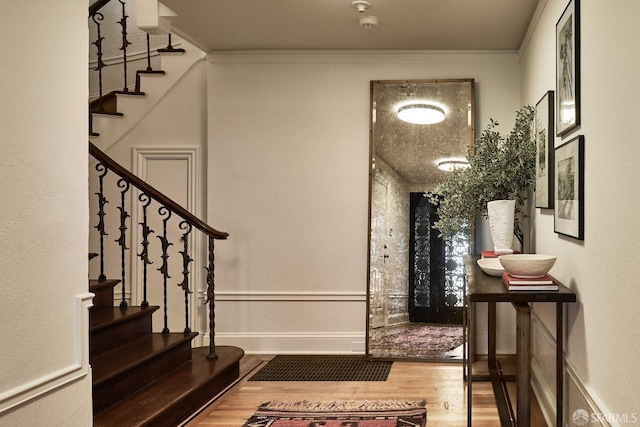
(129, 177)
(97, 6)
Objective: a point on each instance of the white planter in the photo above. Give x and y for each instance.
(501, 216)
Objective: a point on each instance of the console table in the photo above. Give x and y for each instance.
(484, 288)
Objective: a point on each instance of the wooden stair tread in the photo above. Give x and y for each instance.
(112, 363)
(177, 394)
(104, 317)
(130, 92)
(171, 50)
(150, 72)
(95, 284)
(107, 113)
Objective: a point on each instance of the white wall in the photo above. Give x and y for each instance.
(603, 338)
(44, 377)
(288, 179)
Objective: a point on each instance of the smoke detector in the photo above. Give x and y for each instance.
(369, 21)
(361, 5)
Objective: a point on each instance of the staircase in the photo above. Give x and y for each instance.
(142, 378)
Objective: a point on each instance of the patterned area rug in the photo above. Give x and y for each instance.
(388, 413)
(416, 341)
(323, 368)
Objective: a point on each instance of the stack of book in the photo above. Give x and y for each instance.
(545, 283)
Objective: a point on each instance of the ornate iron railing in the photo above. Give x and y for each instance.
(126, 182)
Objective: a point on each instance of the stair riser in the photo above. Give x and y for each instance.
(139, 376)
(106, 339)
(103, 292)
(180, 410)
(103, 298)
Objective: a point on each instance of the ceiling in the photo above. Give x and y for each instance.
(224, 25)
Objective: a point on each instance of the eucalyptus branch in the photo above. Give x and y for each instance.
(500, 168)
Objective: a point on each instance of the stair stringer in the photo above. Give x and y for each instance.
(134, 108)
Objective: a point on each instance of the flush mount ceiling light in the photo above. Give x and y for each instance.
(449, 165)
(421, 113)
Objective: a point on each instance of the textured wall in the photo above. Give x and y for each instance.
(43, 213)
(603, 334)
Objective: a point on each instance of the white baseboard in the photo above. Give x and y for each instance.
(75, 370)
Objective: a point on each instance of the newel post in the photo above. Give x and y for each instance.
(211, 300)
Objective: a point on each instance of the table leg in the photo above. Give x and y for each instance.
(471, 354)
(523, 350)
(491, 324)
(465, 340)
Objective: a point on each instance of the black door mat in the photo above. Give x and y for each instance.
(323, 368)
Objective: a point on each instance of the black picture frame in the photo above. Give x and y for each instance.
(569, 188)
(545, 144)
(568, 69)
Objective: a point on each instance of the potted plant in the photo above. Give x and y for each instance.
(500, 168)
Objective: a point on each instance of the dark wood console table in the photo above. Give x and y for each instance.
(489, 289)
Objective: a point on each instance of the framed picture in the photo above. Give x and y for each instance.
(543, 128)
(569, 186)
(568, 69)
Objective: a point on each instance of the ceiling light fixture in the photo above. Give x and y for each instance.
(420, 113)
(450, 165)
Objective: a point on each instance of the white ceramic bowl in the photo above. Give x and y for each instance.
(491, 266)
(527, 265)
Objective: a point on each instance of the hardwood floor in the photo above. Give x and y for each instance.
(440, 384)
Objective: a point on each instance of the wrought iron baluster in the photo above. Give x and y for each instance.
(164, 268)
(125, 43)
(149, 54)
(211, 300)
(144, 254)
(186, 259)
(97, 18)
(102, 201)
(170, 47)
(122, 240)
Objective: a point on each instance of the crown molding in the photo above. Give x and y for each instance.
(361, 57)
